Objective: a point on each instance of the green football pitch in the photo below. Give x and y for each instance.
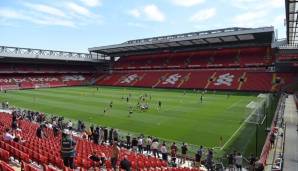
(182, 116)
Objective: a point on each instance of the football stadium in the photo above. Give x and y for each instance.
(214, 99)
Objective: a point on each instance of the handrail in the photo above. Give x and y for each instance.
(283, 145)
(280, 123)
(266, 147)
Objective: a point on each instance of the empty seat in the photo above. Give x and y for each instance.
(5, 167)
(28, 167)
(4, 155)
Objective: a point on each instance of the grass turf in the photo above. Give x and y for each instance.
(181, 118)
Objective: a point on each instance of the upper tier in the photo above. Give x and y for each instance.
(45, 68)
(220, 58)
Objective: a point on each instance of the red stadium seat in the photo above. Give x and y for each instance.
(4, 155)
(28, 167)
(133, 165)
(5, 167)
(47, 168)
(108, 164)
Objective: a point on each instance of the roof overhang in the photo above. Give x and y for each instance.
(7, 52)
(291, 19)
(195, 39)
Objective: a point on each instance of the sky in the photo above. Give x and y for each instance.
(76, 25)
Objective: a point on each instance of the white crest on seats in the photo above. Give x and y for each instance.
(225, 79)
(172, 79)
(129, 79)
(73, 78)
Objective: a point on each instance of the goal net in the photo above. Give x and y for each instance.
(256, 110)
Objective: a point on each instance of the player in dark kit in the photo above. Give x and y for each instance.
(201, 98)
(130, 111)
(159, 104)
(111, 104)
(127, 99)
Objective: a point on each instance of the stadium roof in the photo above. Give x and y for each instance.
(226, 36)
(291, 19)
(43, 54)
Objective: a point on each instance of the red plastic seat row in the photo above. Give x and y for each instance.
(57, 161)
(28, 167)
(32, 151)
(42, 80)
(15, 152)
(40, 150)
(81, 162)
(47, 168)
(45, 152)
(4, 155)
(261, 56)
(5, 167)
(242, 80)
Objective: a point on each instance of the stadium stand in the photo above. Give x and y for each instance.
(44, 68)
(238, 69)
(5, 167)
(28, 81)
(222, 58)
(244, 80)
(247, 65)
(46, 152)
(242, 69)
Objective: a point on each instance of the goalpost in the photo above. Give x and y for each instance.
(254, 111)
(253, 127)
(257, 112)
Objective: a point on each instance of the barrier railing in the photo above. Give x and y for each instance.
(267, 145)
